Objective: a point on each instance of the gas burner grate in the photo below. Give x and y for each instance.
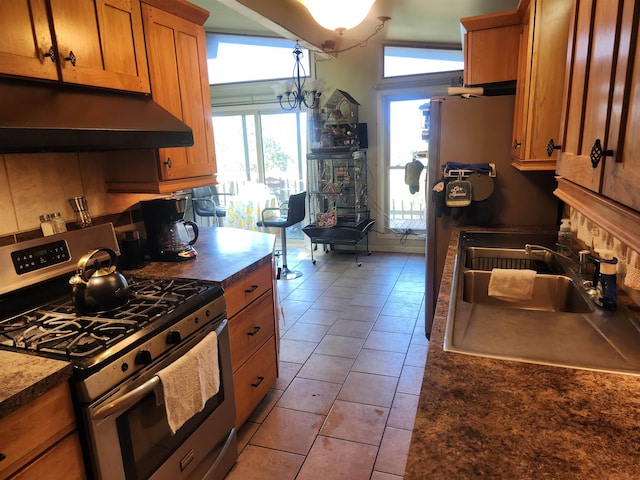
(74, 336)
(58, 329)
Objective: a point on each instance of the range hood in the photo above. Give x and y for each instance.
(45, 117)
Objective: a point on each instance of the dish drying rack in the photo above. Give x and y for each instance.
(464, 173)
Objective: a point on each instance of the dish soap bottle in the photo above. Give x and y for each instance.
(564, 237)
(607, 296)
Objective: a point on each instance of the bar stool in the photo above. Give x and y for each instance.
(291, 212)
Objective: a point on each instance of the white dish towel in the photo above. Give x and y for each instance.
(511, 285)
(187, 384)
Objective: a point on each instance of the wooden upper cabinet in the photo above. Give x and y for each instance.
(598, 77)
(179, 83)
(89, 42)
(25, 39)
(538, 111)
(622, 170)
(101, 43)
(491, 48)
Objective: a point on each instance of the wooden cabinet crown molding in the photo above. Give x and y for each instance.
(621, 222)
(181, 8)
(491, 20)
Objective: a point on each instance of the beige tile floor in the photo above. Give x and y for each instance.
(352, 355)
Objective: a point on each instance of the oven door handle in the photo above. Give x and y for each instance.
(127, 400)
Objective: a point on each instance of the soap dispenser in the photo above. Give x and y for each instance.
(564, 236)
(607, 294)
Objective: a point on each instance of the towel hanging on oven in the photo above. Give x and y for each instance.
(187, 384)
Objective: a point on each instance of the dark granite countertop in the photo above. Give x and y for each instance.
(25, 377)
(223, 255)
(485, 418)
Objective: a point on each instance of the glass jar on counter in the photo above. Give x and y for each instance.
(59, 225)
(46, 225)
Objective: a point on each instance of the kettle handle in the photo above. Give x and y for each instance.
(84, 260)
(195, 231)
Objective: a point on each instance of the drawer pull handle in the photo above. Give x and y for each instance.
(260, 380)
(252, 289)
(255, 330)
(2, 456)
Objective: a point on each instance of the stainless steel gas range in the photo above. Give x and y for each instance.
(117, 357)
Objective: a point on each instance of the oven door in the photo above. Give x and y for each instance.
(130, 437)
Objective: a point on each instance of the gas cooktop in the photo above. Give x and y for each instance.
(57, 330)
(38, 316)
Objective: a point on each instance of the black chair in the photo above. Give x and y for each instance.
(290, 213)
(206, 203)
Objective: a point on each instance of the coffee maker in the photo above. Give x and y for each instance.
(168, 235)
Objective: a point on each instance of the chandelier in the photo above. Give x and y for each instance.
(292, 93)
(338, 15)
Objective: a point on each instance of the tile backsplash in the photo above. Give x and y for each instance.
(596, 238)
(34, 184)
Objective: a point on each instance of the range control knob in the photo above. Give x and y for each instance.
(174, 337)
(143, 357)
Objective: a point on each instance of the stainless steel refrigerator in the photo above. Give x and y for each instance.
(478, 130)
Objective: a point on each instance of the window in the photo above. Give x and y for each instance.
(406, 210)
(235, 58)
(403, 132)
(259, 147)
(399, 61)
(261, 153)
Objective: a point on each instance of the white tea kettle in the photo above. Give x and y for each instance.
(103, 289)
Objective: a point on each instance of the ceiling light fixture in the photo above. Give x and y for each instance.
(292, 93)
(338, 15)
(329, 45)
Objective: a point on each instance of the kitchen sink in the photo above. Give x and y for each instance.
(560, 325)
(551, 293)
(487, 258)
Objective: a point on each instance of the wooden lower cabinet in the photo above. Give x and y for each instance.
(248, 289)
(250, 329)
(253, 380)
(61, 462)
(251, 307)
(40, 441)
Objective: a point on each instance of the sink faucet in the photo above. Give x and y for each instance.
(529, 249)
(585, 259)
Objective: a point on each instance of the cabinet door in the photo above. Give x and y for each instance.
(491, 54)
(101, 43)
(543, 46)
(25, 39)
(523, 86)
(595, 42)
(622, 169)
(179, 83)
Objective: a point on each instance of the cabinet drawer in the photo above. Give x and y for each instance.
(30, 430)
(247, 289)
(63, 461)
(250, 329)
(254, 379)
